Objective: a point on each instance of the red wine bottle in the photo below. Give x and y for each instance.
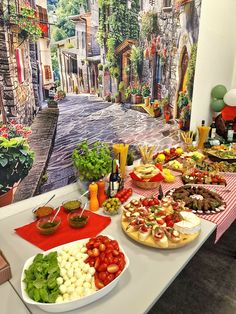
(114, 180)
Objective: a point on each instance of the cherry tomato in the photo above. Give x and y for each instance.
(96, 252)
(151, 203)
(102, 247)
(122, 200)
(102, 267)
(115, 252)
(102, 275)
(170, 223)
(156, 201)
(110, 277)
(145, 202)
(99, 284)
(112, 268)
(97, 263)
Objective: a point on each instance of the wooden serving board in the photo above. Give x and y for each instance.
(185, 239)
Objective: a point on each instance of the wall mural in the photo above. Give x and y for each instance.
(123, 72)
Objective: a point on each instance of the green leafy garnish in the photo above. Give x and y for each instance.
(41, 278)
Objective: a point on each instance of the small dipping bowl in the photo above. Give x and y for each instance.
(46, 227)
(43, 211)
(72, 205)
(75, 221)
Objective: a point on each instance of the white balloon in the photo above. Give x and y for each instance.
(230, 98)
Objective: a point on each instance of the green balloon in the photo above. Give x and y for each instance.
(218, 91)
(217, 104)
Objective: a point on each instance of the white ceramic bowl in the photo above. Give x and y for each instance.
(74, 304)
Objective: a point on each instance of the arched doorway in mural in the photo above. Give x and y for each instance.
(183, 65)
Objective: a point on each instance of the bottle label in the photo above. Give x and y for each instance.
(113, 188)
(213, 133)
(230, 135)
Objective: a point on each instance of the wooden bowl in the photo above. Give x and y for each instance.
(145, 185)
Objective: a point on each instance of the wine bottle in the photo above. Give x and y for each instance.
(213, 129)
(113, 180)
(230, 132)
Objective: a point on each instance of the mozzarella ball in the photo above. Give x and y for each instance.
(59, 281)
(67, 283)
(59, 299)
(62, 272)
(86, 285)
(70, 273)
(88, 277)
(67, 265)
(66, 297)
(75, 265)
(73, 279)
(71, 259)
(62, 289)
(92, 270)
(83, 249)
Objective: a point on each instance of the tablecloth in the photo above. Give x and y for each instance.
(223, 220)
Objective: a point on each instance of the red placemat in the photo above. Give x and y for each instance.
(64, 234)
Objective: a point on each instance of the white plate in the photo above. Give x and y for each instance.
(74, 304)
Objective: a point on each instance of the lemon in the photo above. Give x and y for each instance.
(166, 171)
(169, 178)
(179, 151)
(161, 157)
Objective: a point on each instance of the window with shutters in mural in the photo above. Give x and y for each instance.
(43, 20)
(152, 2)
(47, 72)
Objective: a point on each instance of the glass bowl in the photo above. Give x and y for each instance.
(72, 205)
(46, 227)
(75, 221)
(111, 206)
(43, 211)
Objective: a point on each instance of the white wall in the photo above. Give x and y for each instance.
(216, 56)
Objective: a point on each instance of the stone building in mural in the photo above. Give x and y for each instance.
(173, 61)
(19, 66)
(16, 83)
(79, 56)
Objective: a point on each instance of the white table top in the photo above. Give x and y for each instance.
(150, 273)
(10, 301)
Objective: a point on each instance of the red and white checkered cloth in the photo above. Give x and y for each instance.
(223, 220)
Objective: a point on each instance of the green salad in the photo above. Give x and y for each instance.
(41, 278)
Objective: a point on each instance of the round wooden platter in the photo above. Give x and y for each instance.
(185, 239)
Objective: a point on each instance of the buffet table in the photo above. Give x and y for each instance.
(150, 273)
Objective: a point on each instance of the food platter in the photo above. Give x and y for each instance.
(185, 239)
(165, 225)
(75, 303)
(199, 199)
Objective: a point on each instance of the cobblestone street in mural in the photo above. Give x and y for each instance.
(88, 117)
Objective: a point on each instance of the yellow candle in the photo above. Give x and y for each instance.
(121, 152)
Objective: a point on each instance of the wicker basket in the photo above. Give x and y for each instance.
(146, 185)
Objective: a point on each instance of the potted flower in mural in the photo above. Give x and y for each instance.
(135, 91)
(184, 108)
(60, 94)
(146, 94)
(16, 159)
(27, 21)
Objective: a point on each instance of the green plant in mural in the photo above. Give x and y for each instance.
(191, 70)
(100, 66)
(149, 25)
(121, 87)
(16, 159)
(116, 23)
(136, 58)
